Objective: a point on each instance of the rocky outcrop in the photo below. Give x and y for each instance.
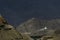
(7, 32)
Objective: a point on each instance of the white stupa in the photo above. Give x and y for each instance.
(45, 28)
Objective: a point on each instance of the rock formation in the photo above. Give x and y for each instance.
(7, 32)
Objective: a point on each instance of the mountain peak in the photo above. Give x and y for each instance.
(33, 18)
(30, 25)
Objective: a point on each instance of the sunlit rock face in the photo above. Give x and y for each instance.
(4, 24)
(7, 32)
(8, 27)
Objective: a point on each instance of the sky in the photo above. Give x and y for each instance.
(18, 11)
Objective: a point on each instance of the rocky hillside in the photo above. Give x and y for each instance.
(10, 35)
(34, 24)
(30, 25)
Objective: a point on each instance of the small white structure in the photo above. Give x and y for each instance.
(45, 28)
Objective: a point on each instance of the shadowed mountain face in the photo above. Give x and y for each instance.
(34, 25)
(53, 24)
(30, 25)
